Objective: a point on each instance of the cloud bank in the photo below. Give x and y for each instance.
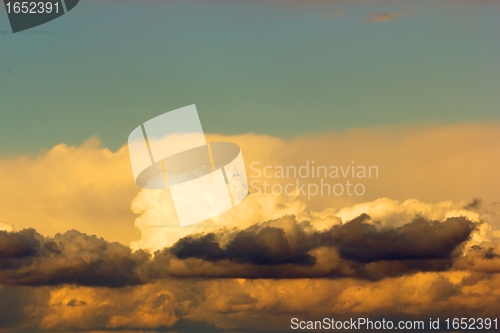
(281, 248)
(248, 279)
(418, 244)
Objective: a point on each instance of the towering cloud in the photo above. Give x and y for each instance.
(384, 254)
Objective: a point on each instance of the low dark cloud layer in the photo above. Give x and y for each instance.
(419, 240)
(357, 240)
(359, 249)
(28, 258)
(266, 246)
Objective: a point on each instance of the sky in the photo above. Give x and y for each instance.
(270, 67)
(406, 88)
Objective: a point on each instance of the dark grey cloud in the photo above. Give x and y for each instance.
(28, 258)
(267, 246)
(22, 244)
(360, 249)
(421, 239)
(357, 240)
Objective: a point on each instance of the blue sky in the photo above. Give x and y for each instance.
(276, 67)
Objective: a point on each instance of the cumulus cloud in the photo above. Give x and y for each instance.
(88, 186)
(281, 248)
(28, 258)
(234, 305)
(420, 239)
(408, 269)
(355, 240)
(255, 209)
(418, 165)
(381, 254)
(259, 245)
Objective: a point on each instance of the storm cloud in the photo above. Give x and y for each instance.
(357, 240)
(282, 248)
(28, 258)
(421, 239)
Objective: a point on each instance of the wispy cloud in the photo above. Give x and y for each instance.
(386, 17)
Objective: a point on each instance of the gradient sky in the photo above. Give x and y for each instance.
(270, 67)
